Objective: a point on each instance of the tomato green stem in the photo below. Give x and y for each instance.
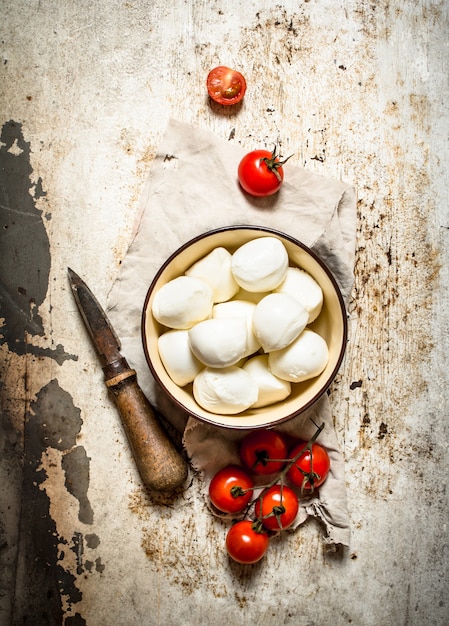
(273, 165)
(257, 526)
(237, 491)
(262, 458)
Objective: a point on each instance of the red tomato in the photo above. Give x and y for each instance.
(231, 489)
(226, 86)
(260, 172)
(263, 451)
(245, 543)
(310, 470)
(277, 507)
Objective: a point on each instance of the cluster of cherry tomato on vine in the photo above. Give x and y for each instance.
(260, 172)
(232, 490)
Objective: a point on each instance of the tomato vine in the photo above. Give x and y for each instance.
(275, 506)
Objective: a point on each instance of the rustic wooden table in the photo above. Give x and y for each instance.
(356, 90)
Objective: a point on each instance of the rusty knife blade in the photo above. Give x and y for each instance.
(97, 323)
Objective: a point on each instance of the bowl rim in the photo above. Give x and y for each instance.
(305, 248)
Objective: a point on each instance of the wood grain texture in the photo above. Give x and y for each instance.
(357, 90)
(160, 464)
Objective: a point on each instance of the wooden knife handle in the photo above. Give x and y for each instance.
(160, 464)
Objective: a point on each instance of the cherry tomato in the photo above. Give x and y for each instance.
(226, 86)
(231, 489)
(260, 172)
(246, 543)
(263, 451)
(277, 507)
(311, 468)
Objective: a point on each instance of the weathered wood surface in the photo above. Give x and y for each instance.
(355, 89)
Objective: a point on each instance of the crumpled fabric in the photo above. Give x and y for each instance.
(192, 188)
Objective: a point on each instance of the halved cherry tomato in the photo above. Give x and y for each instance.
(246, 542)
(231, 489)
(263, 451)
(225, 86)
(260, 172)
(311, 468)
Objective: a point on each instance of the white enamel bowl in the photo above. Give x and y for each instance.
(331, 324)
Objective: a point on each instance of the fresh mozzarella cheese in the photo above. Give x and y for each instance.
(178, 359)
(278, 319)
(242, 309)
(228, 390)
(219, 342)
(182, 302)
(260, 264)
(300, 285)
(215, 270)
(303, 359)
(271, 388)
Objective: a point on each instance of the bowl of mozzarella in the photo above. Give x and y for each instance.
(244, 327)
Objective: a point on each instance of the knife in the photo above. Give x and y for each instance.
(160, 464)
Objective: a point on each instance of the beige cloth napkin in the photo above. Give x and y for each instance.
(192, 188)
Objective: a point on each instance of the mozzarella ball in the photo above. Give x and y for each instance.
(178, 359)
(271, 388)
(242, 309)
(300, 285)
(182, 302)
(215, 270)
(260, 264)
(303, 359)
(278, 319)
(229, 390)
(219, 342)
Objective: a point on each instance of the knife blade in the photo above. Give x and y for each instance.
(160, 464)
